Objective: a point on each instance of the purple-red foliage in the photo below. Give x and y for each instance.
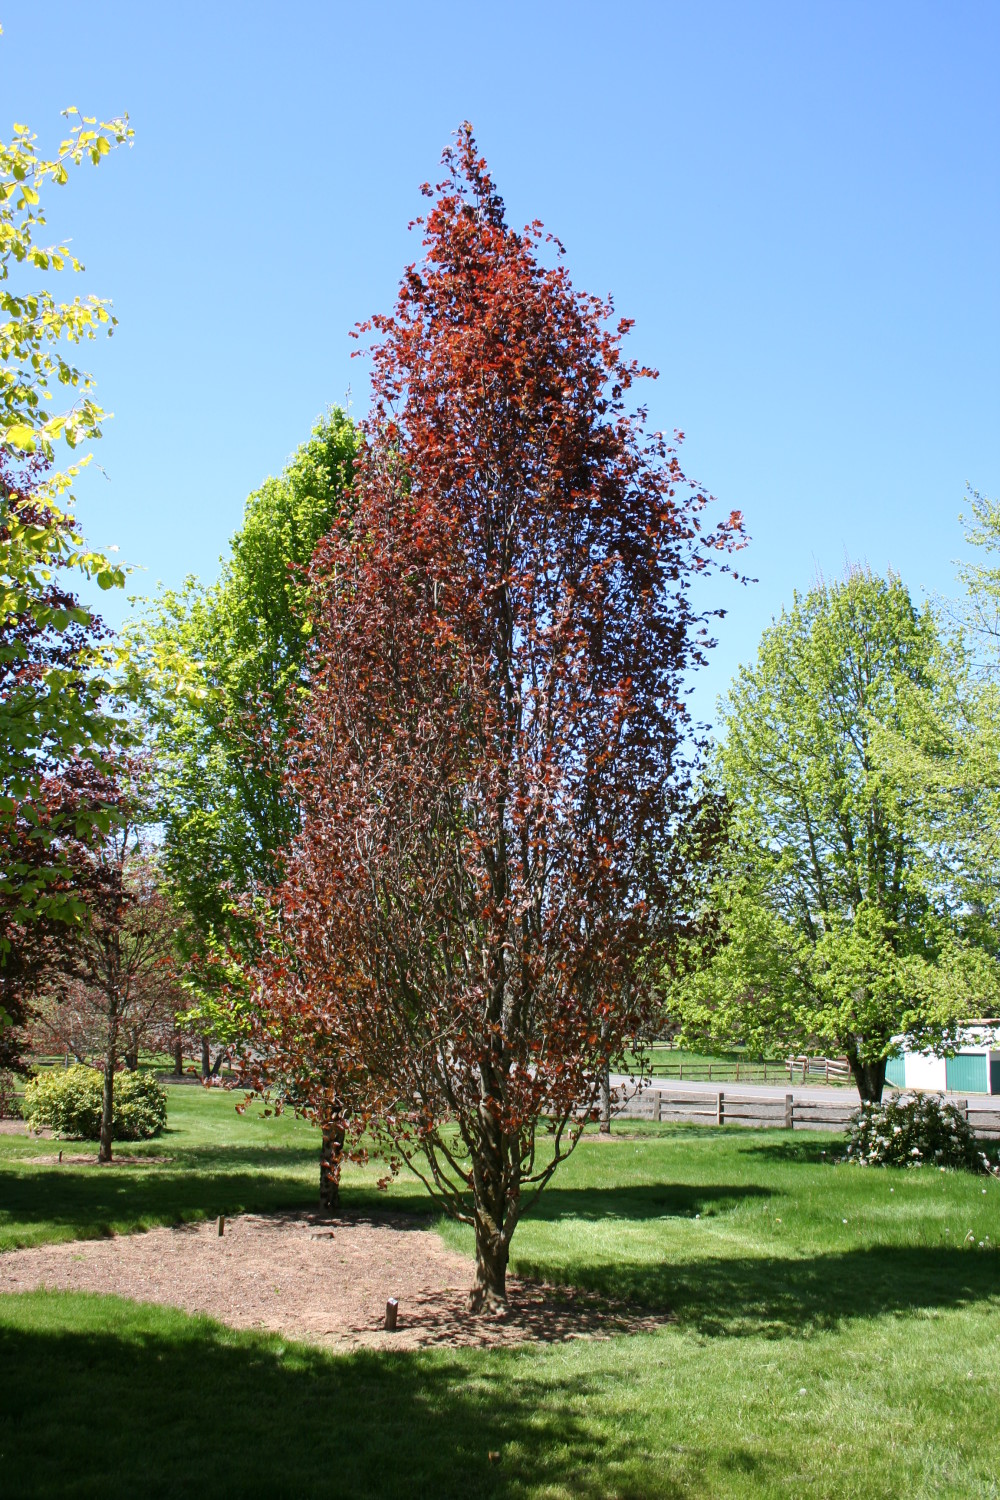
(492, 752)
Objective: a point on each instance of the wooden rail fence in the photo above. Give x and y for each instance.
(730, 1070)
(791, 1112)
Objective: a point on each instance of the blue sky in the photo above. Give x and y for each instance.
(798, 203)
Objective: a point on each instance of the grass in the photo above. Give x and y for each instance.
(806, 1356)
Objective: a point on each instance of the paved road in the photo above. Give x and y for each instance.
(843, 1095)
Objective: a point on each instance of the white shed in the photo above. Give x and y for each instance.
(974, 1068)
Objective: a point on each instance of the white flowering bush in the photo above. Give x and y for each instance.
(914, 1130)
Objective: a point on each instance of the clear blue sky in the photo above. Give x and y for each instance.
(797, 202)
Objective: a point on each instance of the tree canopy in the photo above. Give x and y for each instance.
(54, 721)
(833, 927)
(218, 672)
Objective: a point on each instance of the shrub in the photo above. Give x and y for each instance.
(69, 1102)
(914, 1130)
(10, 1104)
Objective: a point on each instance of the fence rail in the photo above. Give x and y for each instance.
(792, 1112)
(730, 1070)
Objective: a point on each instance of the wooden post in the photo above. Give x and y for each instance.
(391, 1311)
(222, 1225)
(604, 1102)
(789, 1112)
(657, 1106)
(720, 1109)
(962, 1105)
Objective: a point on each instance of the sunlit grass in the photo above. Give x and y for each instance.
(799, 1355)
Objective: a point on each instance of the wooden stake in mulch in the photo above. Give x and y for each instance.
(391, 1310)
(222, 1225)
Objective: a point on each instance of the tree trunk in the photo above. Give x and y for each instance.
(494, 1196)
(869, 1077)
(206, 1059)
(107, 1106)
(132, 1058)
(605, 1102)
(178, 1057)
(330, 1160)
(489, 1294)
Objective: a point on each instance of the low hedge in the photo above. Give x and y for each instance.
(68, 1101)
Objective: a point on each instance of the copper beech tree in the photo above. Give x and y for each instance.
(491, 752)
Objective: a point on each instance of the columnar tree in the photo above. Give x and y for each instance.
(492, 748)
(832, 927)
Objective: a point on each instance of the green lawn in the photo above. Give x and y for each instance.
(807, 1357)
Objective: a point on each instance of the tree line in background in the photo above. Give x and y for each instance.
(405, 811)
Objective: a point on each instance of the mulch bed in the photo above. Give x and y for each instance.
(325, 1280)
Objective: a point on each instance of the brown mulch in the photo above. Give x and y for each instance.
(322, 1280)
(64, 1159)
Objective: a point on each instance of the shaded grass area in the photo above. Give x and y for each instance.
(97, 1386)
(807, 1356)
(209, 1161)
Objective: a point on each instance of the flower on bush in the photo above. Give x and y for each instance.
(69, 1102)
(914, 1130)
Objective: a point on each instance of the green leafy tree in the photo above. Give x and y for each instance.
(834, 928)
(218, 670)
(948, 755)
(53, 718)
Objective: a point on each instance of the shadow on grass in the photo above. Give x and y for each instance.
(200, 1157)
(172, 1406)
(777, 1296)
(86, 1202)
(809, 1148)
(655, 1200)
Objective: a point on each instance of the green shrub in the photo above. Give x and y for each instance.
(69, 1102)
(10, 1104)
(914, 1130)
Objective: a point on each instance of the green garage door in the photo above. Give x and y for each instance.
(895, 1072)
(966, 1073)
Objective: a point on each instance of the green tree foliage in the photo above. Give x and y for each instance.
(832, 927)
(218, 670)
(35, 330)
(53, 721)
(947, 754)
